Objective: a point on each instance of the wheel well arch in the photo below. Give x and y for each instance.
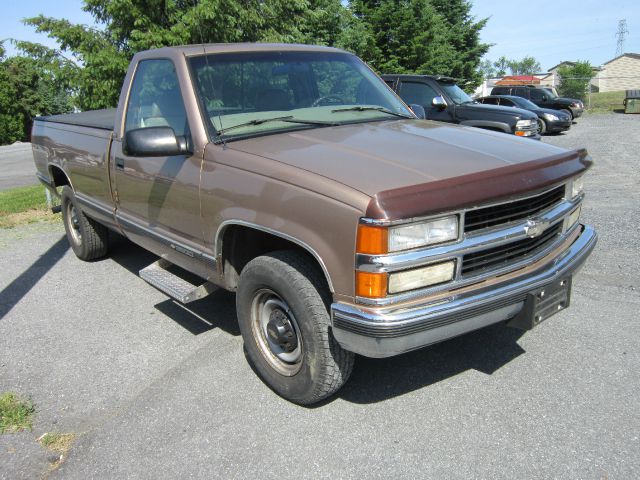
(58, 177)
(239, 242)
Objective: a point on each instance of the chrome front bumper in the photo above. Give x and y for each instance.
(388, 331)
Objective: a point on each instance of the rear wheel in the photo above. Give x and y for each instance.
(282, 306)
(88, 238)
(542, 126)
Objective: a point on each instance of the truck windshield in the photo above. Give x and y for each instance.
(260, 92)
(456, 93)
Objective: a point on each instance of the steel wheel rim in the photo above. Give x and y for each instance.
(268, 308)
(541, 128)
(73, 223)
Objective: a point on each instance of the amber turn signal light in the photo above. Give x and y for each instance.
(372, 240)
(371, 285)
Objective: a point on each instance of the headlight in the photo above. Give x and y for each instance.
(551, 116)
(406, 237)
(577, 186)
(524, 123)
(421, 277)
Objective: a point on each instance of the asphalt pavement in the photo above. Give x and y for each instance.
(16, 166)
(155, 390)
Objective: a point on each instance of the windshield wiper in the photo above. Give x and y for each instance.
(360, 108)
(286, 119)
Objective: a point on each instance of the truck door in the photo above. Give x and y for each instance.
(423, 94)
(157, 198)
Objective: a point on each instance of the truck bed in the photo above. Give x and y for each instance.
(102, 119)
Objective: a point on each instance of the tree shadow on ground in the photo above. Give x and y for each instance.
(21, 285)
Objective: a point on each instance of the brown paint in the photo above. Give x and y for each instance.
(477, 188)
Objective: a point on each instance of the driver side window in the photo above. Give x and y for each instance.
(418, 93)
(155, 99)
(536, 94)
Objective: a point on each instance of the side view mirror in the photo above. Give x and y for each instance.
(418, 110)
(544, 98)
(154, 142)
(439, 102)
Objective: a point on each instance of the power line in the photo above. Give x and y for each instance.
(620, 34)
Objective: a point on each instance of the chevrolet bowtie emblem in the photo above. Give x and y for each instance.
(535, 227)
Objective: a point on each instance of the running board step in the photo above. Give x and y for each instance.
(158, 275)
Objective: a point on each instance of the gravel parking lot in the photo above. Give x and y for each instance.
(154, 390)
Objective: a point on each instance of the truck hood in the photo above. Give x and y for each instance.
(564, 100)
(377, 156)
(481, 108)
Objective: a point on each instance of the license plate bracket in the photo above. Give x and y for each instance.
(543, 303)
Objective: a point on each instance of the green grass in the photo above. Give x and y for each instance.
(23, 205)
(18, 200)
(605, 102)
(16, 414)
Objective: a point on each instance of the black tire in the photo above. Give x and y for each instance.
(89, 239)
(568, 112)
(542, 126)
(285, 288)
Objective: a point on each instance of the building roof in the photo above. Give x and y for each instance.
(571, 64)
(518, 80)
(630, 55)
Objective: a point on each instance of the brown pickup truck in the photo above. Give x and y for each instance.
(295, 177)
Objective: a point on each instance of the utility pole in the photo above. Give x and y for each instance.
(620, 34)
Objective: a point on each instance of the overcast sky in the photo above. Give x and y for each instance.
(550, 31)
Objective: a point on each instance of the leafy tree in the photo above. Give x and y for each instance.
(134, 25)
(486, 69)
(29, 87)
(526, 66)
(574, 81)
(464, 35)
(422, 36)
(501, 66)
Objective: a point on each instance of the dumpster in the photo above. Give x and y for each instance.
(632, 101)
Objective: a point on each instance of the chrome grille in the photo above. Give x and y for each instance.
(496, 257)
(509, 212)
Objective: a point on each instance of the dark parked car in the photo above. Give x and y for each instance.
(445, 101)
(543, 98)
(549, 121)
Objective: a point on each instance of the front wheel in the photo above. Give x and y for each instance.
(88, 238)
(542, 126)
(568, 112)
(282, 306)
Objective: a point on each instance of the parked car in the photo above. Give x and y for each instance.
(543, 98)
(445, 101)
(292, 176)
(549, 121)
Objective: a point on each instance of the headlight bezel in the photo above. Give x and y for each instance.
(552, 117)
(453, 236)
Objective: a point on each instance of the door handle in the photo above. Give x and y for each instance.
(119, 163)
